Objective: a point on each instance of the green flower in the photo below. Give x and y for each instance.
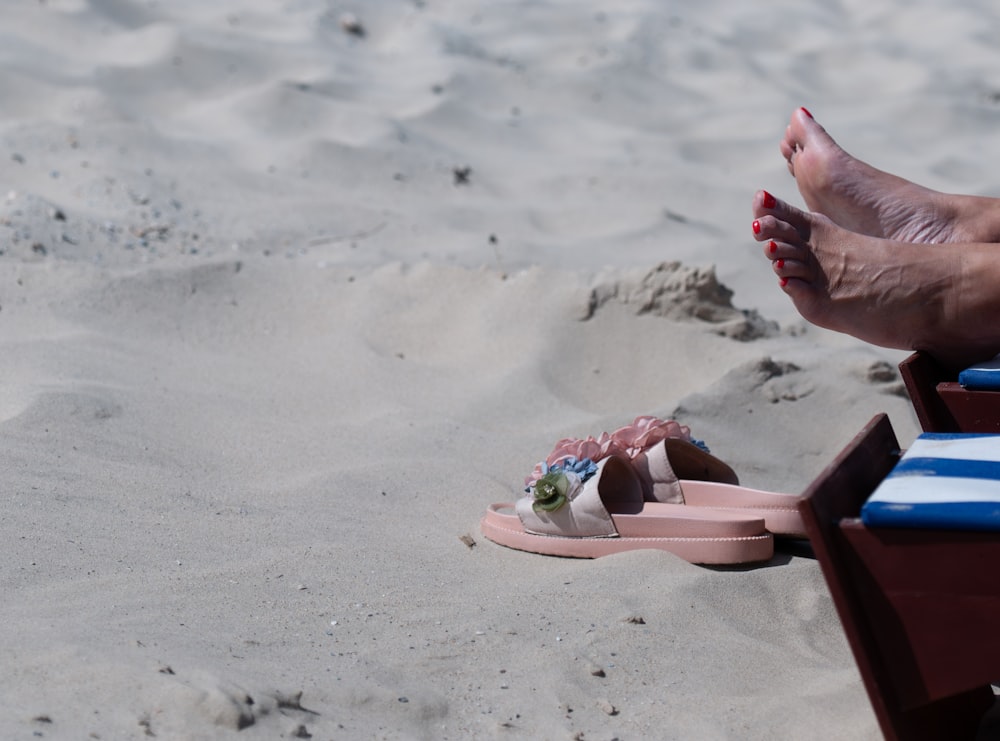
(551, 491)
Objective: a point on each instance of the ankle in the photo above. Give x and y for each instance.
(977, 219)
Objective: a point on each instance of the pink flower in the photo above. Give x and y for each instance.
(646, 431)
(628, 441)
(571, 447)
(594, 448)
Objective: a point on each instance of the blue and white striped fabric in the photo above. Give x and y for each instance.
(982, 376)
(944, 481)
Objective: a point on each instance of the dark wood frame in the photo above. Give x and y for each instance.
(941, 404)
(921, 608)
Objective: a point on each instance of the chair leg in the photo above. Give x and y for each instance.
(875, 629)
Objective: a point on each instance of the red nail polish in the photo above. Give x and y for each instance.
(772, 246)
(783, 282)
(779, 263)
(806, 111)
(756, 226)
(768, 200)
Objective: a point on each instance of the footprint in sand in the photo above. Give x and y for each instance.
(886, 376)
(782, 381)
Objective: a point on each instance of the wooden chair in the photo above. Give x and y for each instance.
(921, 608)
(941, 404)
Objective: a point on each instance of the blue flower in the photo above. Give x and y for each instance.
(584, 468)
(700, 444)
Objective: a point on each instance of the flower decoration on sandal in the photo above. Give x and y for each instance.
(554, 489)
(629, 442)
(559, 483)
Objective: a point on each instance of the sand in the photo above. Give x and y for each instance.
(291, 291)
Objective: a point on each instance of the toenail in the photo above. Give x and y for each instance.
(756, 226)
(783, 282)
(772, 246)
(769, 201)
(806, 111)
(779, 263)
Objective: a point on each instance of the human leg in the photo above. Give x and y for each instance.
(887, 292)
(866, 200)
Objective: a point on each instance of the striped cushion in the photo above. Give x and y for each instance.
(982, 376)
(944, 481)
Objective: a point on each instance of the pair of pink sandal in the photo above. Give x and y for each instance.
(647, 485)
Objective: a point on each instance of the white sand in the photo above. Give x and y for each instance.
(266, 360)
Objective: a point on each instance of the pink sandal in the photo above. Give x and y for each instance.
(605, 513)
(680, 472)
(646, 485)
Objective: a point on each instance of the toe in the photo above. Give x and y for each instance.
(764, 204)
(804, 130)
(787, 145)
(768, 227)
(789, 268)
(774, 250)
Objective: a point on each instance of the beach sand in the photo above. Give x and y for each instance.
(291, 291)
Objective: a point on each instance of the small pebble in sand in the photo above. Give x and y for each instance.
(350, 23)
(607, 707)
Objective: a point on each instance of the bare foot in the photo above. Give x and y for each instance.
(886, 292)
(866, 200)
